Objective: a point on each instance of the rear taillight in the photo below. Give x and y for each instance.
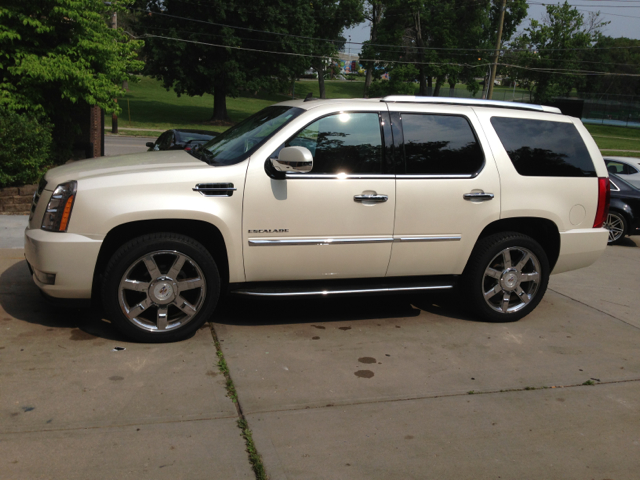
(604, 196)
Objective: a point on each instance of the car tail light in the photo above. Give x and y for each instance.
(56, 218)
(604, 197)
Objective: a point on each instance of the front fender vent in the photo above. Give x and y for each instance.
(215, 189)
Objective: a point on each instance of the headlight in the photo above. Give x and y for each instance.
(56, 218)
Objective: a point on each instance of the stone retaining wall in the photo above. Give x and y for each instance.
(16, 200)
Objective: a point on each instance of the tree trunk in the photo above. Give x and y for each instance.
(320, 70)
(423, 82)
(420, 55)
(376, 16)
(439, 83)
(219, 103)
(430, 85)
(367, 81)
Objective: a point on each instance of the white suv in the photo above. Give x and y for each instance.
(327, 197)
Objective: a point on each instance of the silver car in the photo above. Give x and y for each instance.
(627, 168)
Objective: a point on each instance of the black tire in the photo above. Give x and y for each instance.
(160, 287)
(487, 271)
(617, 225)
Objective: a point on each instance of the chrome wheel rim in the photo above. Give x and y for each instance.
(615, 225)
(162, 291)
(511, 280)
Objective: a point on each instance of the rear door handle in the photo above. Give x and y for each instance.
(478, 196)
(370, 198)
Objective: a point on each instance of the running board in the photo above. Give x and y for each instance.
(344, 287)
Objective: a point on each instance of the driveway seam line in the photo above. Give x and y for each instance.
(428, 397)
(594, 308)
(255, 459)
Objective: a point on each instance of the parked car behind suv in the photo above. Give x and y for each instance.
(328, 197)
(181, 139)
(627, 168)
(624, 211)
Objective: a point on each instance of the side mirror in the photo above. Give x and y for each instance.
(150, 144)
(293, 159)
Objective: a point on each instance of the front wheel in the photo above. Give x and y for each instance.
(506, 277)
(160, 287)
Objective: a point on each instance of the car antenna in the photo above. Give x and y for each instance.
(308, 98)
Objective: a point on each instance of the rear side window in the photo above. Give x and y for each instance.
(540, 148)
(440, 144)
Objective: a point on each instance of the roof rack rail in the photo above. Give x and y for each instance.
(473, 102)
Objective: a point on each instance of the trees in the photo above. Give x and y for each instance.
(609, 55)
(443, 38)
(211, 47)
(552, 51)
(55, 54)
(330, 19)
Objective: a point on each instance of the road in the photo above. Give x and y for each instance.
(119, 145)
(405, 387)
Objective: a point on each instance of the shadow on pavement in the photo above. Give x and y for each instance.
(21, 299)
(247, 311)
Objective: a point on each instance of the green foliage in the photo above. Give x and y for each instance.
(25, 142)
(57, 54)
(551, 50)
(196, 55)
(439, 38)
(401, 82)
(609, 55)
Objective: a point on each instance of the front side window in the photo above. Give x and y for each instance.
(541, 148)
(440, 145)
(343, 143)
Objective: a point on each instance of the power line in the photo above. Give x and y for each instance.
(539, 69)
(377, 44)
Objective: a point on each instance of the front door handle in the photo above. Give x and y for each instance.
(370, 198)
(478, 196)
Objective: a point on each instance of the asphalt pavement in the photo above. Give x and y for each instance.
(121, 145)
(405, 387)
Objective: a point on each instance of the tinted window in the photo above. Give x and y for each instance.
(440, 144)
(544, 149)
(615, 167)
(343, 143)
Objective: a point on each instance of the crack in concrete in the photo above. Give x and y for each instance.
(594, 308)
(449, 395)
(120, 425)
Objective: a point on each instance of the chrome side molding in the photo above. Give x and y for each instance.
(268, 242)
(328, 291)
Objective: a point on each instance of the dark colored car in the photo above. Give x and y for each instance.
(181, 139)
(624, 210)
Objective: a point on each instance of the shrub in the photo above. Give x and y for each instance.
(25, 143)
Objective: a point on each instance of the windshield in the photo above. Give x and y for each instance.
(241, 140)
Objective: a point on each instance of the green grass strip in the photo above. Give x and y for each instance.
(254, 457)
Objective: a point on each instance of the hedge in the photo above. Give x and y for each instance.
(25, 145)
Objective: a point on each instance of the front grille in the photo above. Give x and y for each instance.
(36, 197)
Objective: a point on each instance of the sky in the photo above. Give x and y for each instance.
(624, 16)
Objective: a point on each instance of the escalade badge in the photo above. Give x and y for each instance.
(275, 230)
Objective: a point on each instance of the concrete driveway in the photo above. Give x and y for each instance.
(358, 388)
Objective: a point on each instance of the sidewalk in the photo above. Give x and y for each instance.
(12, 230)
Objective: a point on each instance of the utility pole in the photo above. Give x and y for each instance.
(498, 42)
(114, 117)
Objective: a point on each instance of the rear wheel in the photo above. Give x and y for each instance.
(617, 226)
(160, 287)
(506, 277)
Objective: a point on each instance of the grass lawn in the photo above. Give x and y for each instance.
(150, 106)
